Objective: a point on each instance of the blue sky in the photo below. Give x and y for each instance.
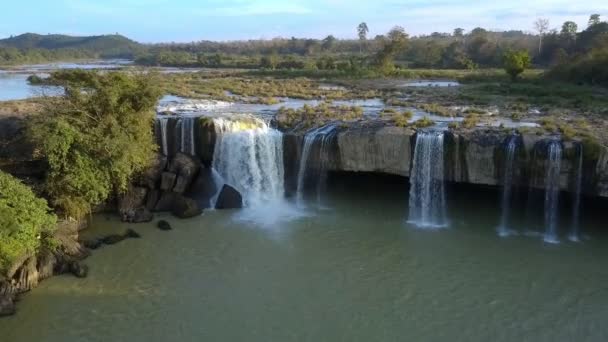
(191, 20)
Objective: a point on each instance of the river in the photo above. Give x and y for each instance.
(353, 271)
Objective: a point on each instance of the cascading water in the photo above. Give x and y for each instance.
(163, 135)
(320, 135)
(187, 135)
(576, 203)
(427, 202)
(552, 188)
(511, 147)
(249, 156)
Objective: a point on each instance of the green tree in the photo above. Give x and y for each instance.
(362, 31)
(458, 32)
(594, 19)
(328, 43)
(26, 221)
(516, 62)
(569, 29)
(394, 43)
(96, 137)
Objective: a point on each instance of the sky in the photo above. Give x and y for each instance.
(193, 20)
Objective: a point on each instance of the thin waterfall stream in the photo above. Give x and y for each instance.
(552, 189)
(510, 149)
(427, 203)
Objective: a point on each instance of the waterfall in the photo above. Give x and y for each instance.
(163, 135)
(503, 229)
(427, 192)
(187, 135)
(249, 156)
(552, 188)
(322, 135)
(576, 203)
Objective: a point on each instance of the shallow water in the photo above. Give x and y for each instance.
(353, 272)
(14, 85)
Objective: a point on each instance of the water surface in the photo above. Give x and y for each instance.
(354, 271)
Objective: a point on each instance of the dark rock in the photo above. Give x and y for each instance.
(138, 215)
(92, 244)
(113, 239)
(165, 203)
(185, 168)
(203, 188)
(164, 225)
(135, 197)
(153, 198)
(78, 269)
(167, 181)
(152, 175)
(185, 207)
(229, 198)
(130, 233)
(7, 306)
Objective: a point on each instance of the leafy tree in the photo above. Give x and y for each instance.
(594, 19)
(516, 62)
(362, 31)
(96, 138)
(458, 32)
(25, 221)
(328, 43)
(569, 29)
(396, 41)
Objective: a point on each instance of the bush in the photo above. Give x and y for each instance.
(25, 221)
(424, 122)
(96, 137)
(516, 62)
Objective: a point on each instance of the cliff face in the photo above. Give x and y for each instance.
(475, 156)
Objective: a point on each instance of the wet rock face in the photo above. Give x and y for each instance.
(384, 149)
(7, 306)
(185, 207)
(229, 198)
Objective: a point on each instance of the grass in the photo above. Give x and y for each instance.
(309, 116)
(423, 123)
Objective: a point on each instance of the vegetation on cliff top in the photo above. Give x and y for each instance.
(96, 138)
(25, 221)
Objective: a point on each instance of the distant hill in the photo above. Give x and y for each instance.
(106, 46)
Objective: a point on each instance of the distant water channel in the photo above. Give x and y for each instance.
(353, 272)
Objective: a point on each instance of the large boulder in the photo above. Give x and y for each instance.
(137, 215)
(167, 181)
(131, 205)
(186, 169)
(185, 207)
(229, 198)
(203, 188)
(152, 175)
(165, 202)
(7, 305)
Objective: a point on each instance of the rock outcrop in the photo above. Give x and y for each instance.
(229, 198)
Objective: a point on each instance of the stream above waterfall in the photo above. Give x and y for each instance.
(357, 272)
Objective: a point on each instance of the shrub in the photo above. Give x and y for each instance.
(516, 62)
(25, 221)
(470, 121)
(96, 137)
(424, 122)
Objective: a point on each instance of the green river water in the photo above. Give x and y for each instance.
(354, 271)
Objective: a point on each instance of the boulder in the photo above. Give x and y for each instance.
(152, 175)
(134, 197)
(79, 270)
(167, 181)
(164, 225)
(153, 198)
(203, 188)
(92, 244)
(186, 169)
(165, 203)
(130, 233)
(229, 198)
(113, 239)
(185, 207)
(138, 215)
(7, 306)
